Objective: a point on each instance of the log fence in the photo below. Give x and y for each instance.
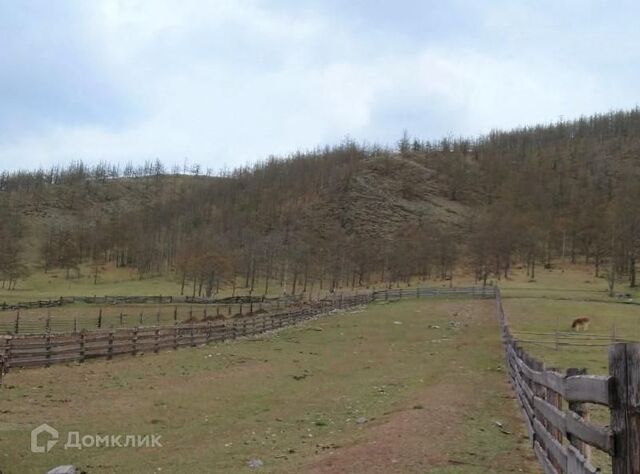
(34, 322)
(153, 299)
(43, 342)
(555, 406)
(434, 292)
(43, 350)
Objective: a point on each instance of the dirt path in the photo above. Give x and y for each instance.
(438, 429)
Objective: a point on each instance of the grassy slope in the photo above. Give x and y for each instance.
(430, 396)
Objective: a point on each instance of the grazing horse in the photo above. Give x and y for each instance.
(580, 324)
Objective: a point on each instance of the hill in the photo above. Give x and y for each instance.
(346, 215)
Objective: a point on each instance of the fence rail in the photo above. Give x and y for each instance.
(148, 299)
(555, 407)
(68, 341)
(471, 291)
(172, 310)
(48, 349)
(111, 317)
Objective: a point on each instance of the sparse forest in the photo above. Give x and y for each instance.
(343, 216)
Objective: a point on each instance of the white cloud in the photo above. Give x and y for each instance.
(228, 82)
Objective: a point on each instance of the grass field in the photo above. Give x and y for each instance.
(114, 281)
(588, 349)
(89, 316)
(544, 305)
(537, 310)
(415, 386)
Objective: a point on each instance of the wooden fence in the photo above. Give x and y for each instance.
(122, 316)
(434, 292)
(555, 408)
(184, 309)
(48, 349)
(50, 303)
(241, 299)
(148, 299)
(60, 339)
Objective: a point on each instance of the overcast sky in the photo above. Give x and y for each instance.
(230, 82)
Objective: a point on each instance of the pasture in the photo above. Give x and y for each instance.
(411, 386)
(541, 313)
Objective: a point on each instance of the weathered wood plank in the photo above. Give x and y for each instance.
(544, 460)
(577, 463)
(588, 389)
(550, 413)
(601, 438)
(578, 388)
(571, 423)
(557, 452)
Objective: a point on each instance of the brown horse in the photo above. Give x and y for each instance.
(580, 324)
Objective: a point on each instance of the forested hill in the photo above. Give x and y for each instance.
(344, 215)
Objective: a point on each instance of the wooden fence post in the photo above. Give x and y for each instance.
(7, 353)
(110, 348)
(17, 327)
(82, 346)
(134, 349)
(2, 370)
(624, 367)
(48, 349)
(100, 318)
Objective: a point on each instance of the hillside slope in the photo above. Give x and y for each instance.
(345, 215)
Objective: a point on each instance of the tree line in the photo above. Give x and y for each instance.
(564, 191)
